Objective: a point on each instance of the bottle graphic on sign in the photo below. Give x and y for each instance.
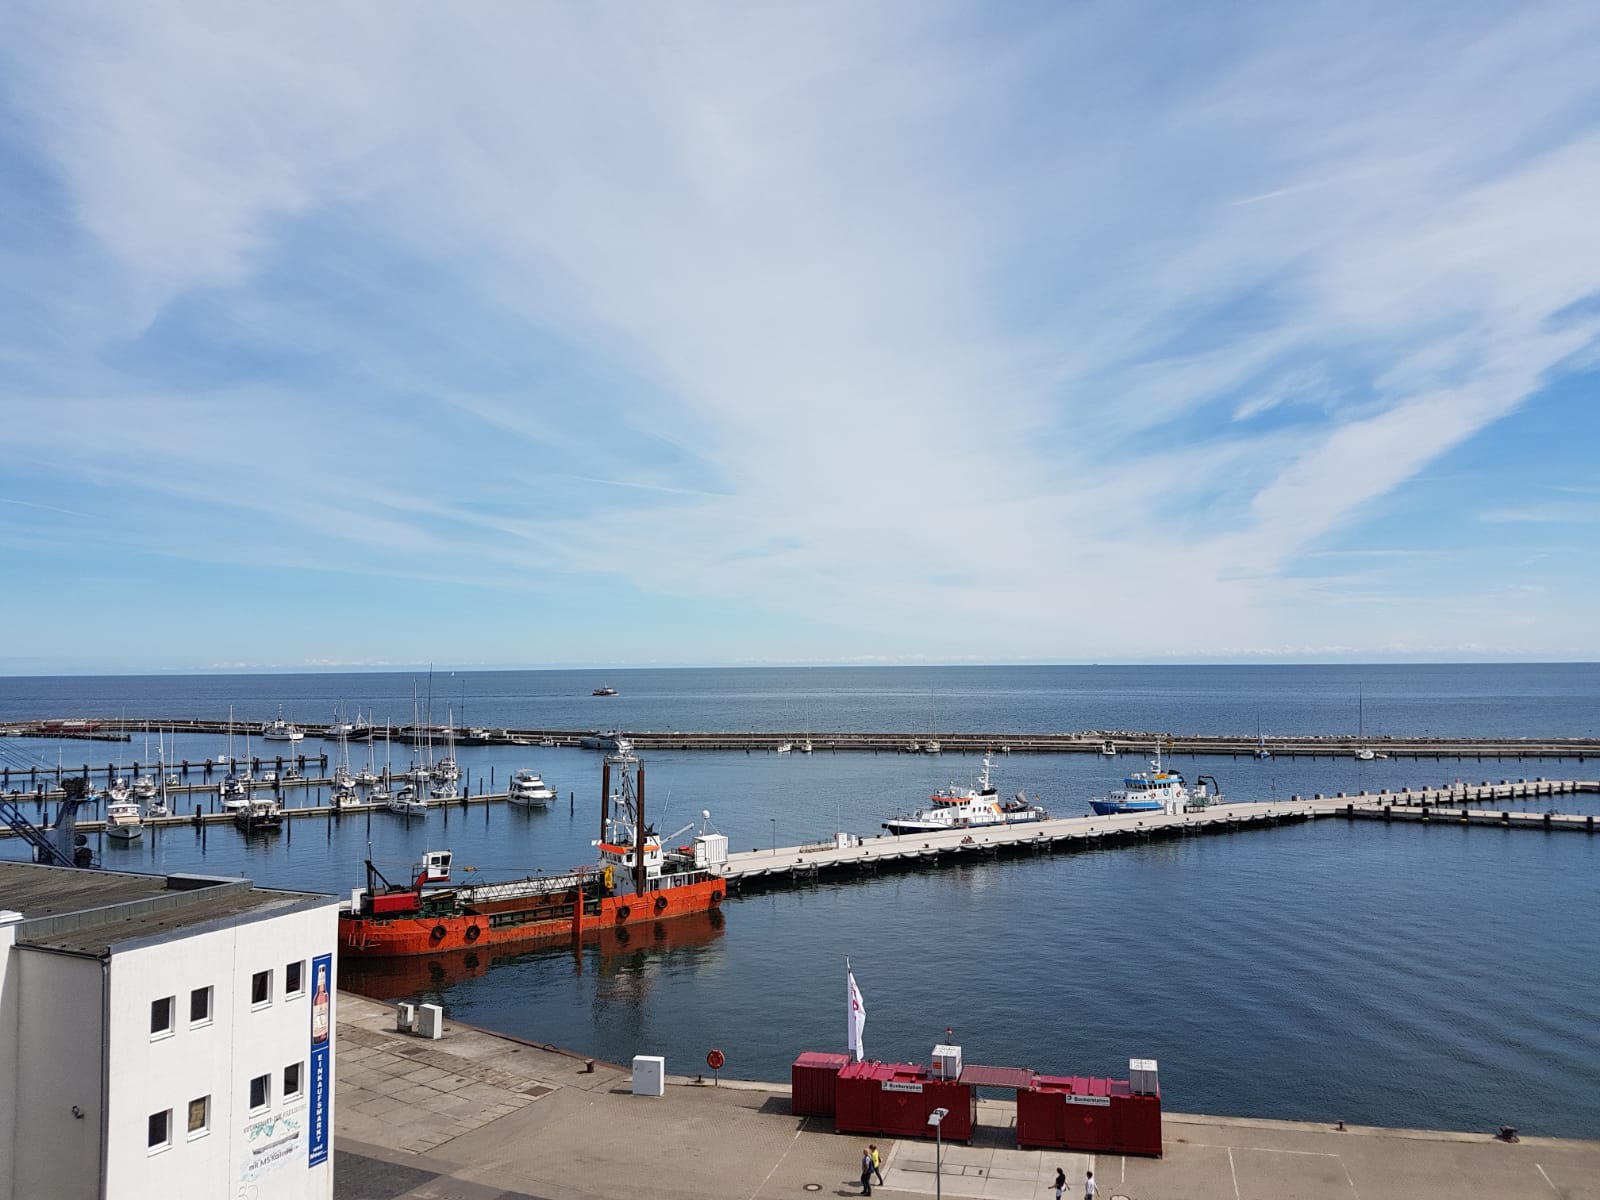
(319, 1008)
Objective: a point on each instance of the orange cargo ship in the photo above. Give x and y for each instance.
(635, 882)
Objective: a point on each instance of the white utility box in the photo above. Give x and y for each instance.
(405, 1017)
(1142, 1077)
(947, 1062)
(430, 1021)
(710, 849)
(649, 1075)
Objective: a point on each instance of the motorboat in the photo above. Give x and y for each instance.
(118, 790)
(144, 787)
(968, 808)
(604, 691)
(124, 820)
(235, 792)
(785, 747)
(259, 814)
(345, 794)
(528, 789)
(1108, 749)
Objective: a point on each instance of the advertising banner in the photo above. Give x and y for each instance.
(321, 1058)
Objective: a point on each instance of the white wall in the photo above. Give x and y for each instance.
(263, 1155)
(58, 1044)
(9, 1008)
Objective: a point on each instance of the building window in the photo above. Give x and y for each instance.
(159, 1136)
(291, 1081)
(260, 989)
(199, 1116)
(161, 1016)
(200, 1006)
(260, 1092)
(294, 981)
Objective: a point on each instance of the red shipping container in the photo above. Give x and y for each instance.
(894, 1100)
(1072, 1112)
(812, 1083)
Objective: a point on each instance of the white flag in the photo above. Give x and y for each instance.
(857, 1015)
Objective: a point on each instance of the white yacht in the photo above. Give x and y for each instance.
(528, 790)
(124, 820)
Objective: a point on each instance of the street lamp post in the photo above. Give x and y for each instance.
(774, 821)
(936, 1119)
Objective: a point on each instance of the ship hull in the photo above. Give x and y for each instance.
(1111, 808)
(549, 918)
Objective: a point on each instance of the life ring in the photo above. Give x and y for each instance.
(661, 903)
(472, 933)
(622, 913)
(439, 931)
(714, 1060)
(716, 896)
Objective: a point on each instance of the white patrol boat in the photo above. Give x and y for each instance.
(968, 808)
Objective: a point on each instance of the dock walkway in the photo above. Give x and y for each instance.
(484, 1117)
(781, 865)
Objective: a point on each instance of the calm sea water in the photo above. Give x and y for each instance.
(1432, 977)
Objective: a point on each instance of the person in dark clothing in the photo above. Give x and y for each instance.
(866, 1172)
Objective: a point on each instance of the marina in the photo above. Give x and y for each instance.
(1224, 951)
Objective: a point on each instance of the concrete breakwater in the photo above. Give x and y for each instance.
(1109, 743)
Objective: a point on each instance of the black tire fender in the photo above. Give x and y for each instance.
(622, 913)
(473, 933)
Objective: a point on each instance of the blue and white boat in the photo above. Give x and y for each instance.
(1157, 790)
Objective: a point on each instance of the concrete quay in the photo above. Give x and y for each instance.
(478, 1116)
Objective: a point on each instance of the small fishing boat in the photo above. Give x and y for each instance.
(279, 730)
(968, 808)
(604, 691)
(528, 790)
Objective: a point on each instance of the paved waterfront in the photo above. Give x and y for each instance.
(475, 1116)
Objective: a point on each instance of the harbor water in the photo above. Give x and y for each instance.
(1392, 975)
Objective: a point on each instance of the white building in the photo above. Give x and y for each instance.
(164, 1036)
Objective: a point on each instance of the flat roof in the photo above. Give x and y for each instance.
(88, 911)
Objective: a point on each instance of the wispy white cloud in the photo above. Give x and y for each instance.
(877, 330)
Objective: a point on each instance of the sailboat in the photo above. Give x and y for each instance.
(1363, 753)
(1261, 742)
(931, 746)
(805, 746)
(157, 805)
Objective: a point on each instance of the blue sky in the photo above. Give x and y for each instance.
(534, 335)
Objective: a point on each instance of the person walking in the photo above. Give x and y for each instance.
(1090, 1188)
(866, 1172)
(1061, 1183)
(877, 1164)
